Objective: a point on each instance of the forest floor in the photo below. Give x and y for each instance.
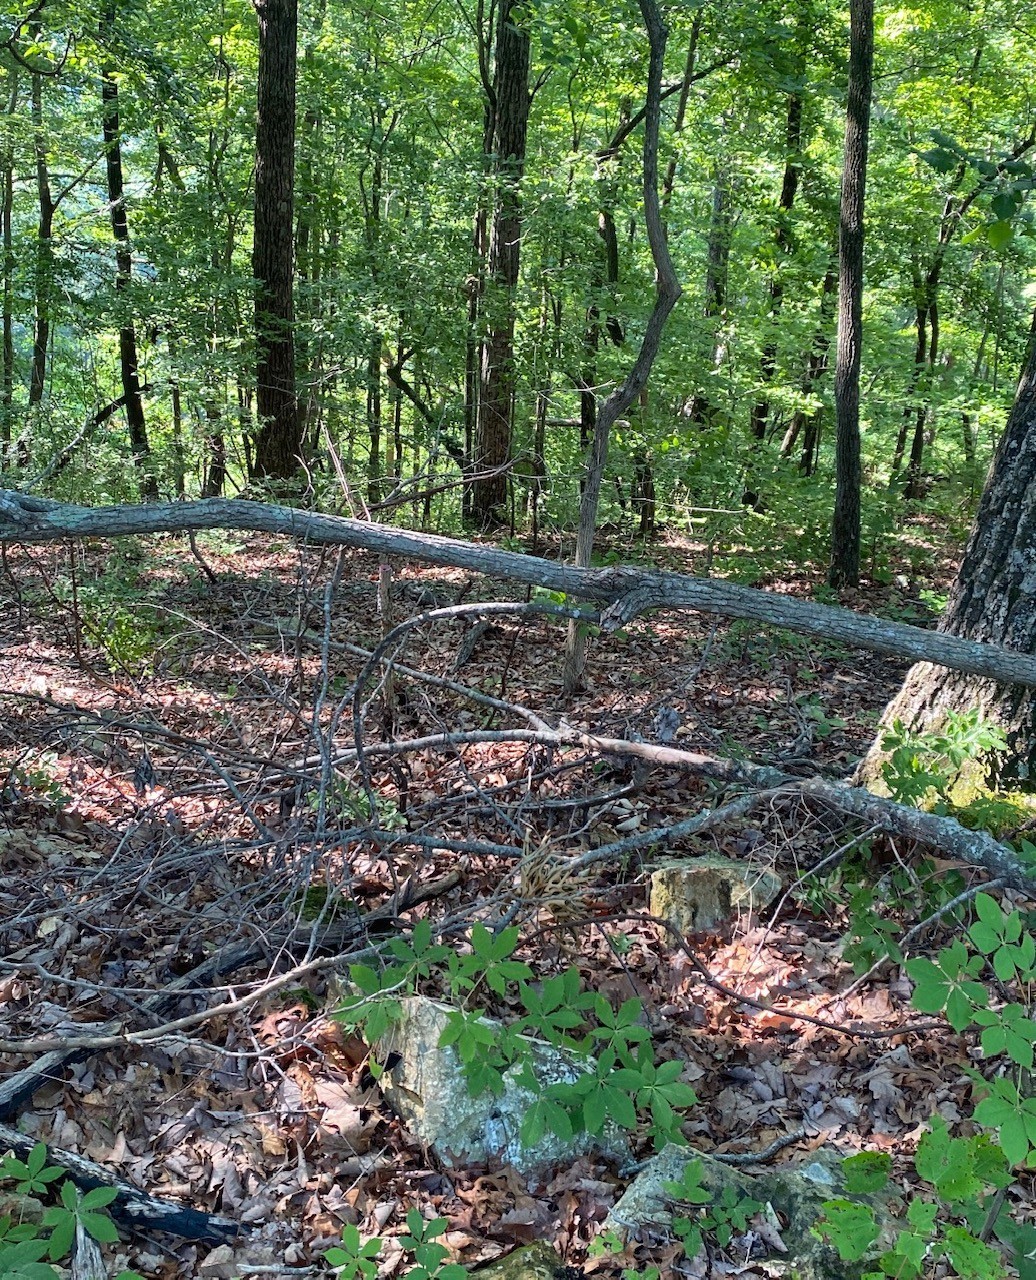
(161, 742)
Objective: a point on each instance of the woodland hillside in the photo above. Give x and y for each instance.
(517, 647)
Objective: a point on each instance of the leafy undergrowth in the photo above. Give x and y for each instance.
(177, 779)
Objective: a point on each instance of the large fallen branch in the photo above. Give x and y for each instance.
(977, 848)
(627, 591)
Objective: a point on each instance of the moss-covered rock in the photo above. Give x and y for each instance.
(533, 1262)
(698, 894)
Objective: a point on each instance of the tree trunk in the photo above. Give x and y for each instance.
(592, 328)
(667, 295)
(669, 181)
(845, 530)
(700, 412)
(920, 357)
(993, 601)
(495, 419)
(914, 485)
(7, 233)
(279, 442)
(139, 445)
(215, 474)
(816, 367)
(44, 281)
(371, 195)
(176, 398)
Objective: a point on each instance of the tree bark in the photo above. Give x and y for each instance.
(495, 419)
(911, 408)
(279, 442)
(44, 273)
(134, 401)
(7, 235)
(627, 591)
(845, 529)
(993, 601)
(816, 367)
(700, 412)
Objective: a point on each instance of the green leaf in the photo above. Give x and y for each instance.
(1004, 205)
(850, 1227)
(948, 1163)
(972, 1260)
(921, 1215)
(989, 912)
(999, 234)
(98, 1198)
(62, 1235)
(941, 161)
(866, 1172)
(100, 1226)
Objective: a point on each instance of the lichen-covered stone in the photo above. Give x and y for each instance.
(792, 1200)
(698, 894)
(533, 1262)
(428, 1090)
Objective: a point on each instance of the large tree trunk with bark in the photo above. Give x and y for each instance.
(845, 529)
(279, 442)
(993, 600)
(495, 421)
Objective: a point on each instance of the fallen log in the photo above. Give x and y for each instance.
(132, 1207)
(625, 590)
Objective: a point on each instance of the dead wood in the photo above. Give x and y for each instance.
(625, 590)
(976, 848)
(334, 938)
(133, 1207)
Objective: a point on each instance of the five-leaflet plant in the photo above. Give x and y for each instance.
(615, 1077)
(950, 983)
(705, 1215)
(356, 1259)
(919, 764)
(965, 1175)
(25, 1245)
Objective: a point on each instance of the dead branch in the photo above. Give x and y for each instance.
(133, 1207)
(977, 848)
(336, 937)
(629, 591)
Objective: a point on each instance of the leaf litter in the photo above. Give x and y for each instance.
(158, 809)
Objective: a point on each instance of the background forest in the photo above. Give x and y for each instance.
(398, 154)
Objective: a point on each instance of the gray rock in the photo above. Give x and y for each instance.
(792, 1200)
(533, 1262)
(428, 1090)
(645, 1203)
